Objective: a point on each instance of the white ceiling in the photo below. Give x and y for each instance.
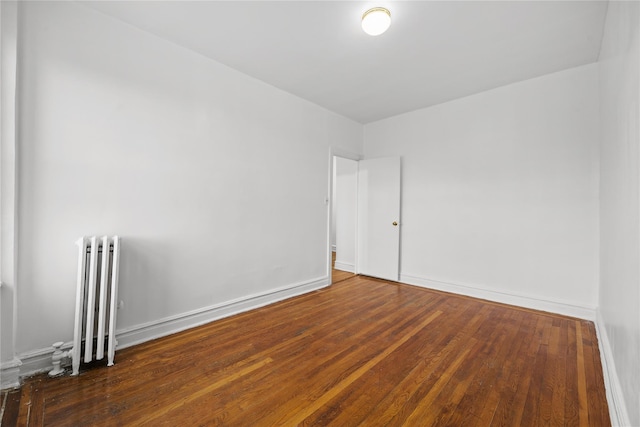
(434, 51)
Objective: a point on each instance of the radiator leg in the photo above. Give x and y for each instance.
(56, 359)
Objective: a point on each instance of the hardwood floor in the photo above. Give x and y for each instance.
(361, 352)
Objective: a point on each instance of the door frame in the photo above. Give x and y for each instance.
(346, 154)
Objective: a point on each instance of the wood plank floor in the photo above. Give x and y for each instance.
(361, 352)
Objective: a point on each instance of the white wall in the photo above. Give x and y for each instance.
(215, 181)
(500, 190)
(619, 301)
(346, 213)
(9, 365)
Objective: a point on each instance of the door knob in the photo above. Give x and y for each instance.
(394, 223)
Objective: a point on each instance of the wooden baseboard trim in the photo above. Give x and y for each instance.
(581, 312)
(39, 360)
(10, 374)
(170, 325)
(615, 398)
(343, 266)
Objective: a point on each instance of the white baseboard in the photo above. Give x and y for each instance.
(559, 307)
(615, 397)
(170, 325)
(343, 266)
(10, 374)
(37, 361)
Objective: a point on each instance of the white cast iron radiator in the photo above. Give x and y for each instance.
(96, 300)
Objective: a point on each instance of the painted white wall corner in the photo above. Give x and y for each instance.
(615, 397)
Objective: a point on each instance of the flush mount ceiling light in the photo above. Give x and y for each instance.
(376, 21)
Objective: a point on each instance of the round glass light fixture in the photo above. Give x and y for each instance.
(376, 21)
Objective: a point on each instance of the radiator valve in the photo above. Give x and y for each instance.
(56, 359)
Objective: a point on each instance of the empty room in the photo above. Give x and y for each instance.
(261, 213)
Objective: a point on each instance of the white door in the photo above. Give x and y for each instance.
(379, 217)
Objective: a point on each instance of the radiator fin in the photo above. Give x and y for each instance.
(96, 300)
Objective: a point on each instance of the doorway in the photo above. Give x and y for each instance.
(364, 216)
(344, 198)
